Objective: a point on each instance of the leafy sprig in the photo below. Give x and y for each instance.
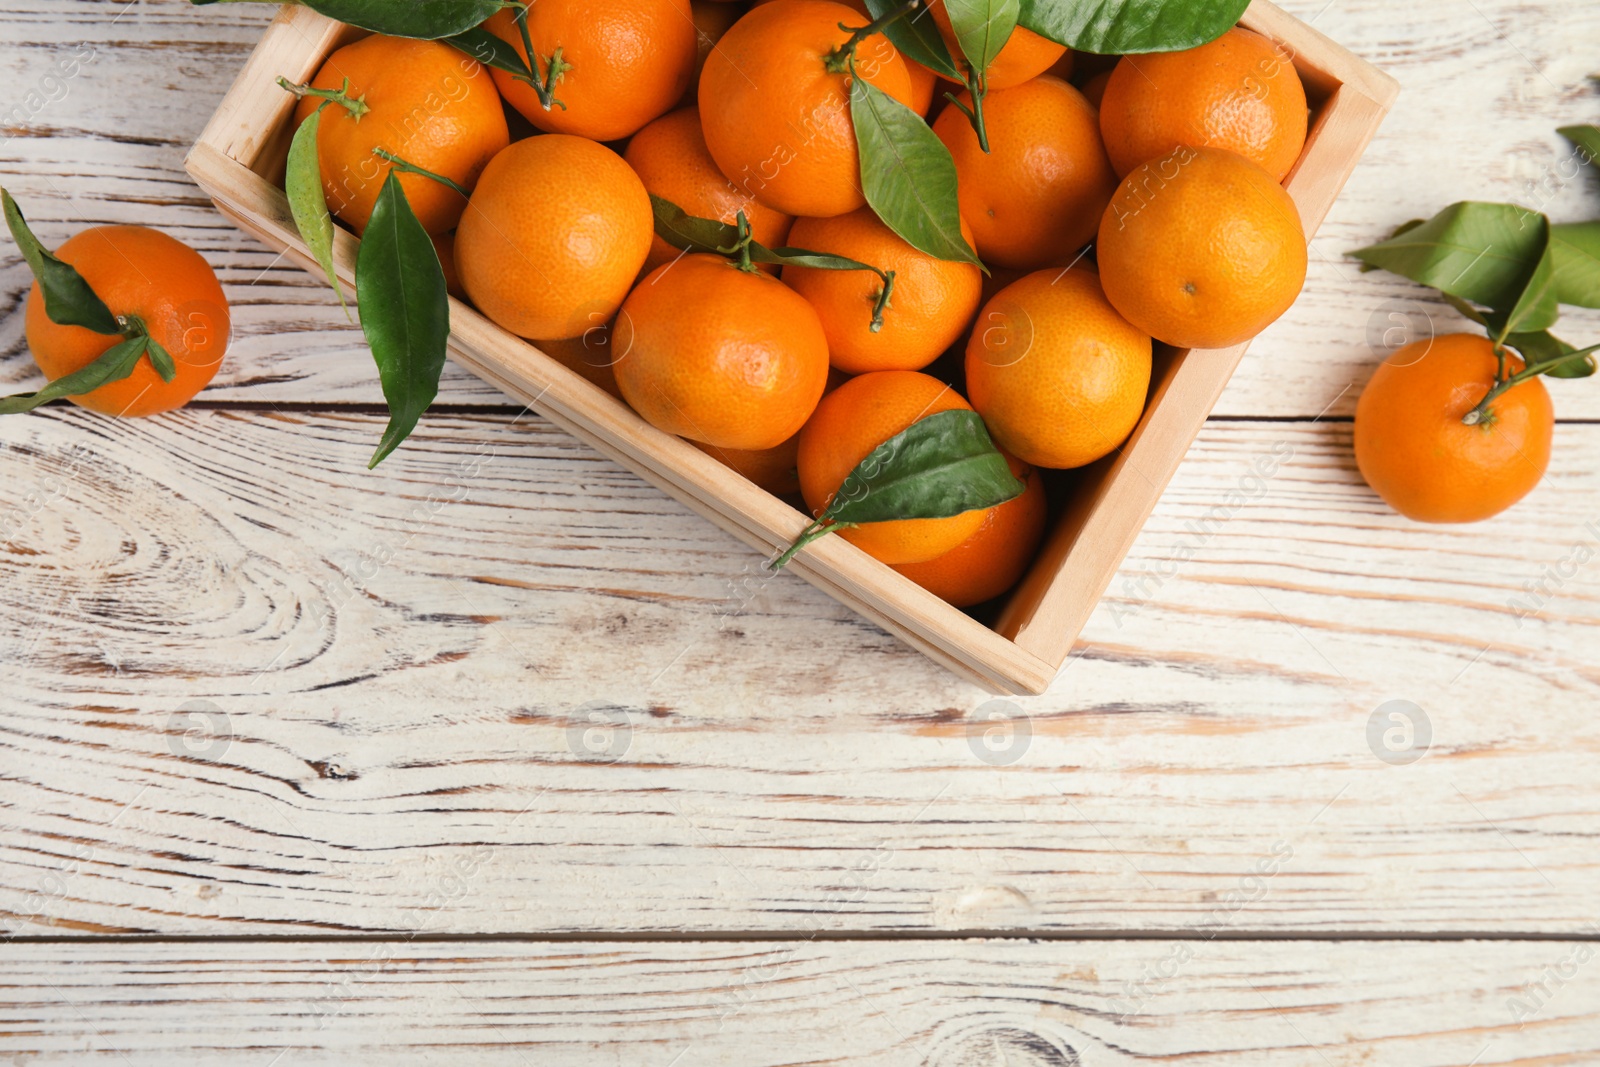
(907, 174)
(1508, 269)
(694, 234)
(405, 311)
(400, 285)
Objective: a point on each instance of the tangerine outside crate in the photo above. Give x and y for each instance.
(239, 161)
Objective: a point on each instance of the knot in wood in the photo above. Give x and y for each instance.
(1002, 1046)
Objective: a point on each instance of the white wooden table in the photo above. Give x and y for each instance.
(485, 757)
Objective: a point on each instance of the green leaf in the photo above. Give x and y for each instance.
(1535, 307)
(491, 51)
(307, 203)
(1542, 346)
(160, 359)
(682, 230)
(982, 28)
(1575, 247)
(785, 256)
(941, 465)
(1587, 138)
(916, 37)
(907, 174)
(68, 299)
(114, 364)
(1118, 27)
(1481, 252)
(423, 19)
(1404, 227)
(1462, 306)
(405, 311)
(938, 466)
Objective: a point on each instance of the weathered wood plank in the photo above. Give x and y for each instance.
(935, 1004)
(1486, 80)
(402, 667)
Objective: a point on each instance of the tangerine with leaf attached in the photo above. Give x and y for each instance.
(1036, 196)
(604, 67)
(929, 307)
(424, 101)
(1415, 448)
(671, 158)
(848, 425)
(140, 274)
(775, 104)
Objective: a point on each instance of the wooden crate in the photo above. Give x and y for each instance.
(239, 161)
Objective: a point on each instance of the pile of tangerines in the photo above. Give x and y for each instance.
(793, 374)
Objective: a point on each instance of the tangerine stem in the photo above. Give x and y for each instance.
(741, 247)
(882, 303)
(978, 87)
(838, 60)
(554, 66)
(814, 530)
(356, 105)
(407, 167)
(521, 19)
(134, 327)
(1532, 370)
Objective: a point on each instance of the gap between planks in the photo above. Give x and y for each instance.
(720, 937)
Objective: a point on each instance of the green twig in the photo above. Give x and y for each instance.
(1533, 370)
(838, 60)
(356, 105)
(978, 87)
(882, 303)
(407, 167)
(815, 529)
(741, 247)
(554, 68)
(554, 65)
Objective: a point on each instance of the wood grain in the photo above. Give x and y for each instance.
(788, 1004)
(406, 664)
(1484, 87)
